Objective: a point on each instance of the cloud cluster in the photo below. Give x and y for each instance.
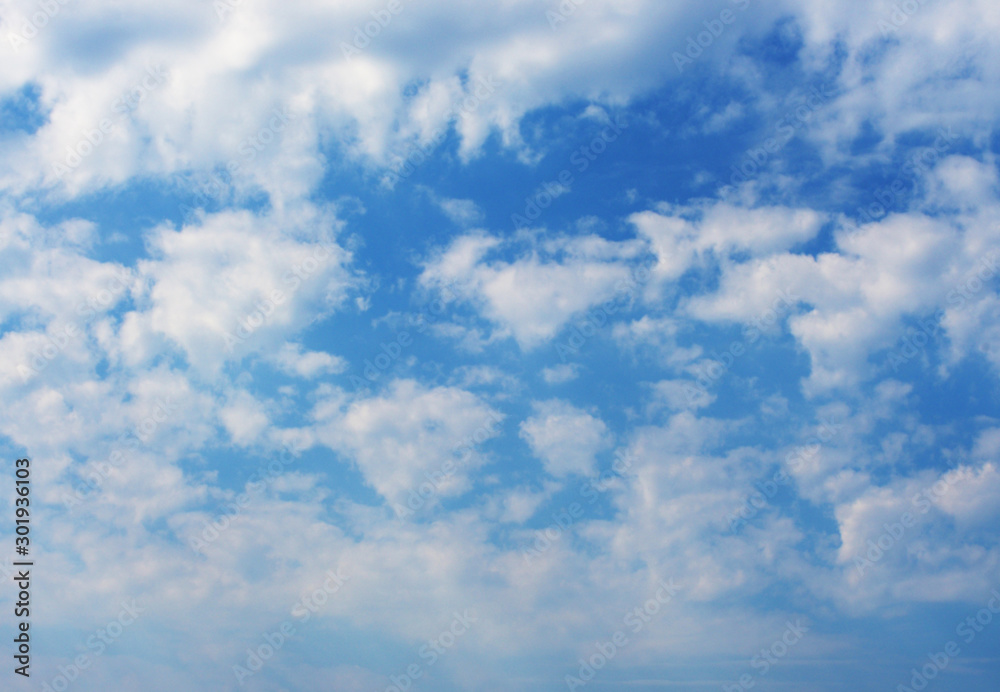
(196, 358)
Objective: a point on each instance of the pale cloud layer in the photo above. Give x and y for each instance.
(213, 405)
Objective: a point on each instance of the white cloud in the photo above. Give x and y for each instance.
(565, 438)
(229, 285)
(159, 340)
(532, 298)
(409, 436)
(271, 55)
(519, 505)
(851, 303)
(914, 76)
(558, 374)
(49, 277)
(684, 236)
(244, 418)
(987, 445)
(720, 120)
(293, 360)
(911, 539)
(463, 212)
(681, 395)
(657, 334)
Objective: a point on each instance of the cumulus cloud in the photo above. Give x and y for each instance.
(534, 296)
(411, 436)
(180, 257)
(557, 374)
(565, 438)
(293, 360)
(227, 286)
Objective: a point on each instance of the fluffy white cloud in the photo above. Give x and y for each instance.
(916, 538)
(293, 360)
(228, 285)
(924, 63)
(532, 297)
(409, 437)
(848, 304)
(557, 374)
(682, 236)
(264, 92)
(682, 394)
(50, 279)
(244, 418)
(566, 438)
(173, 111)
(658, 335)
(461, 212)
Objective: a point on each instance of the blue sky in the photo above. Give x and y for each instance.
(610, 344)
